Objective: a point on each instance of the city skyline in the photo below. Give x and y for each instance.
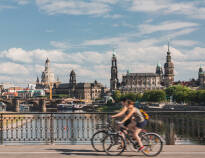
(80, 35)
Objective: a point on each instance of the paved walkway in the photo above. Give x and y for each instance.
(66, 151)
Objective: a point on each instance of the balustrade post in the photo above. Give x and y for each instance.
(170, 133)
(1, 129)
(51, 129)
(42, 103)
(17, 105)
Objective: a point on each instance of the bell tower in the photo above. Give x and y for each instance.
(114, 73)
(168, 70)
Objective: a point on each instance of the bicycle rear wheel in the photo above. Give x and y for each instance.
(114, 144)
(97, 140)
(153, 144)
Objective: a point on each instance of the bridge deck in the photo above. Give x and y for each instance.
(62, 151)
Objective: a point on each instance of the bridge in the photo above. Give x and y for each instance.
(39, 104)
(79, 151)
(56, 135)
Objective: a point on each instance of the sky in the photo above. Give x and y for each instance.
(81, 35)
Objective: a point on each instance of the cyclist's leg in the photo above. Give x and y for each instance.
(136, 136)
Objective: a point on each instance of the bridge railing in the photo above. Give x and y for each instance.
(78, 128)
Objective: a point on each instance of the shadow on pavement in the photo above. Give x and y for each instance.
(84, 152)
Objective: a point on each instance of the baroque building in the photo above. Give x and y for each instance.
(139, 82)
(87, 91)
(47, 77)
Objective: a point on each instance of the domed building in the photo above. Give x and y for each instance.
(47, 77)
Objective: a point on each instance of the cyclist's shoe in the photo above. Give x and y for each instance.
(141, 148)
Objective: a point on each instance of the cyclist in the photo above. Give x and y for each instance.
(134, 119)
(123, 111)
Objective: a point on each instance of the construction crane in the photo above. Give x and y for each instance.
(50, 91)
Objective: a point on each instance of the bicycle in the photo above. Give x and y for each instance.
(99, 136)
(114, 143)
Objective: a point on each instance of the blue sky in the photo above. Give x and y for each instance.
(80, 35)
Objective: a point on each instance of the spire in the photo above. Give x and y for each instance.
(168, 45)
(200, 69)
(114, 52)
(37, 80)
(128, 71)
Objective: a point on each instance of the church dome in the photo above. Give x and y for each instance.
(159, 65)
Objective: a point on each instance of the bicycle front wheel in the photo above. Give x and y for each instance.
(153, 144)
(114, 144)
(97, 140)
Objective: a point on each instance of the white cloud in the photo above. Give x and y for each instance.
(73, 7)
(148, 5)
(105, 41)
(184, 42)
(194, 9)
(22, 2)
(17, 54)
(59, 45)
(10, 68)
(165, 26)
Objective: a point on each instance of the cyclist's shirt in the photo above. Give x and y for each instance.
(138, 115)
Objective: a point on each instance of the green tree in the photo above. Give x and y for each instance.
(180, 93)
(117, 96)
(131, 96)
(200, 94)
(154, 96)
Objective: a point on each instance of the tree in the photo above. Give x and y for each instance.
(154, 96)
(117, 96)
(131, 96)
(180, 93)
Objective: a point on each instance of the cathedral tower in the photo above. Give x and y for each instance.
(168, 70)
(114, 74)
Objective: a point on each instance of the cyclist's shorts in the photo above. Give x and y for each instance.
(141, 124)
(126, 123)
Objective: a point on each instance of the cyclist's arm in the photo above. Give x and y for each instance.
(120, 113)
(128, 116)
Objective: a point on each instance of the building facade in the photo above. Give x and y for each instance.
(87, 91)
(139, 82)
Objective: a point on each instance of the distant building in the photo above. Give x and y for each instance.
(168, 70)
(87, 91)
(114, 81)
(47, 77)
(139, 82)
(201, 77)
